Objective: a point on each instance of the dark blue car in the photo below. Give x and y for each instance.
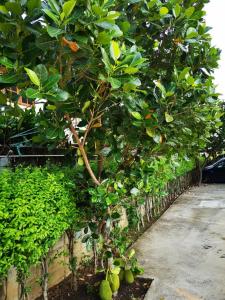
(215, 172)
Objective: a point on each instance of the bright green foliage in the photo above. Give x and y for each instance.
(5, 196)
(144, 83)
(216, 144)
(35, 210)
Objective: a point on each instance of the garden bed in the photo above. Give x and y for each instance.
(88, 289)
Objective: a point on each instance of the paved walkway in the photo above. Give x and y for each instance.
(184, 251)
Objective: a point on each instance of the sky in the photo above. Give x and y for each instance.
(215, 18)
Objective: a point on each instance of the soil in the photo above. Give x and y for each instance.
(88, 289)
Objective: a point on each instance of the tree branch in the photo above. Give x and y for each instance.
(82, 151)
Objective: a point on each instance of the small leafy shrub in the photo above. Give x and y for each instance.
(35, 210)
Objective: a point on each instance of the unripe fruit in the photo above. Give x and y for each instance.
(129, 277)
(121, 275)
(114, 281)
(105, 291)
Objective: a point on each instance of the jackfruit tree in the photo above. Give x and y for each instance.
(124, 76)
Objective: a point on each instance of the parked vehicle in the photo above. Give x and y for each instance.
(214, 172)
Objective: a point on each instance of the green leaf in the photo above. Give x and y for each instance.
(163, 11)
(86, 105)
(105, 24)
(191, 33)
(52, 16)
(187, 130)
(106, 60)
(3, 99)
(33, 94)
(170, 93)
(9, 78)
(127, 87)
(52, 133)
(68, 7)
(115, 50)
(54, 6)
(41, 72)
(51, 107)
(131, 70)
(189, 12)
(6, 62)
(161, 87)
(136, 115)
(190, 80)
(151, 3)
(59, 95)
(177, 10)
(115, 83)
(168, 117)
(32, 4)
(3, 9)
(33, 77)
(98, 10)
(131, 85)
(104, 38)
(157, 138)
(62, 16)
(137, 60)
(51, 82)
(53, 31)
(131, 253)
(113, 15)
(14, 7)
(150, 132)
(125, 26)
(184, 73)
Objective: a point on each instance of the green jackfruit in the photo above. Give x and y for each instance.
(129, 277)
(105, 291)
(114, 281)
(121, 275)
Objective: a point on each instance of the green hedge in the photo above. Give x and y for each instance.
(35, 210)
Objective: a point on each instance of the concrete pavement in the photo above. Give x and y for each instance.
(184, 251)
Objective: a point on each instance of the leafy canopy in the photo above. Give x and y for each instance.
(137, 74)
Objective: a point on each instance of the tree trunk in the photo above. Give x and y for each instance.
(100, 165)
(44, 273)
(3, 290)
(95, 256)
(72, 260)
(199, 170)
(21, 278)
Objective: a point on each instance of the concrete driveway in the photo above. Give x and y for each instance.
(184, 251)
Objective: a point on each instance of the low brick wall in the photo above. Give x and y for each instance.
(58, 270)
